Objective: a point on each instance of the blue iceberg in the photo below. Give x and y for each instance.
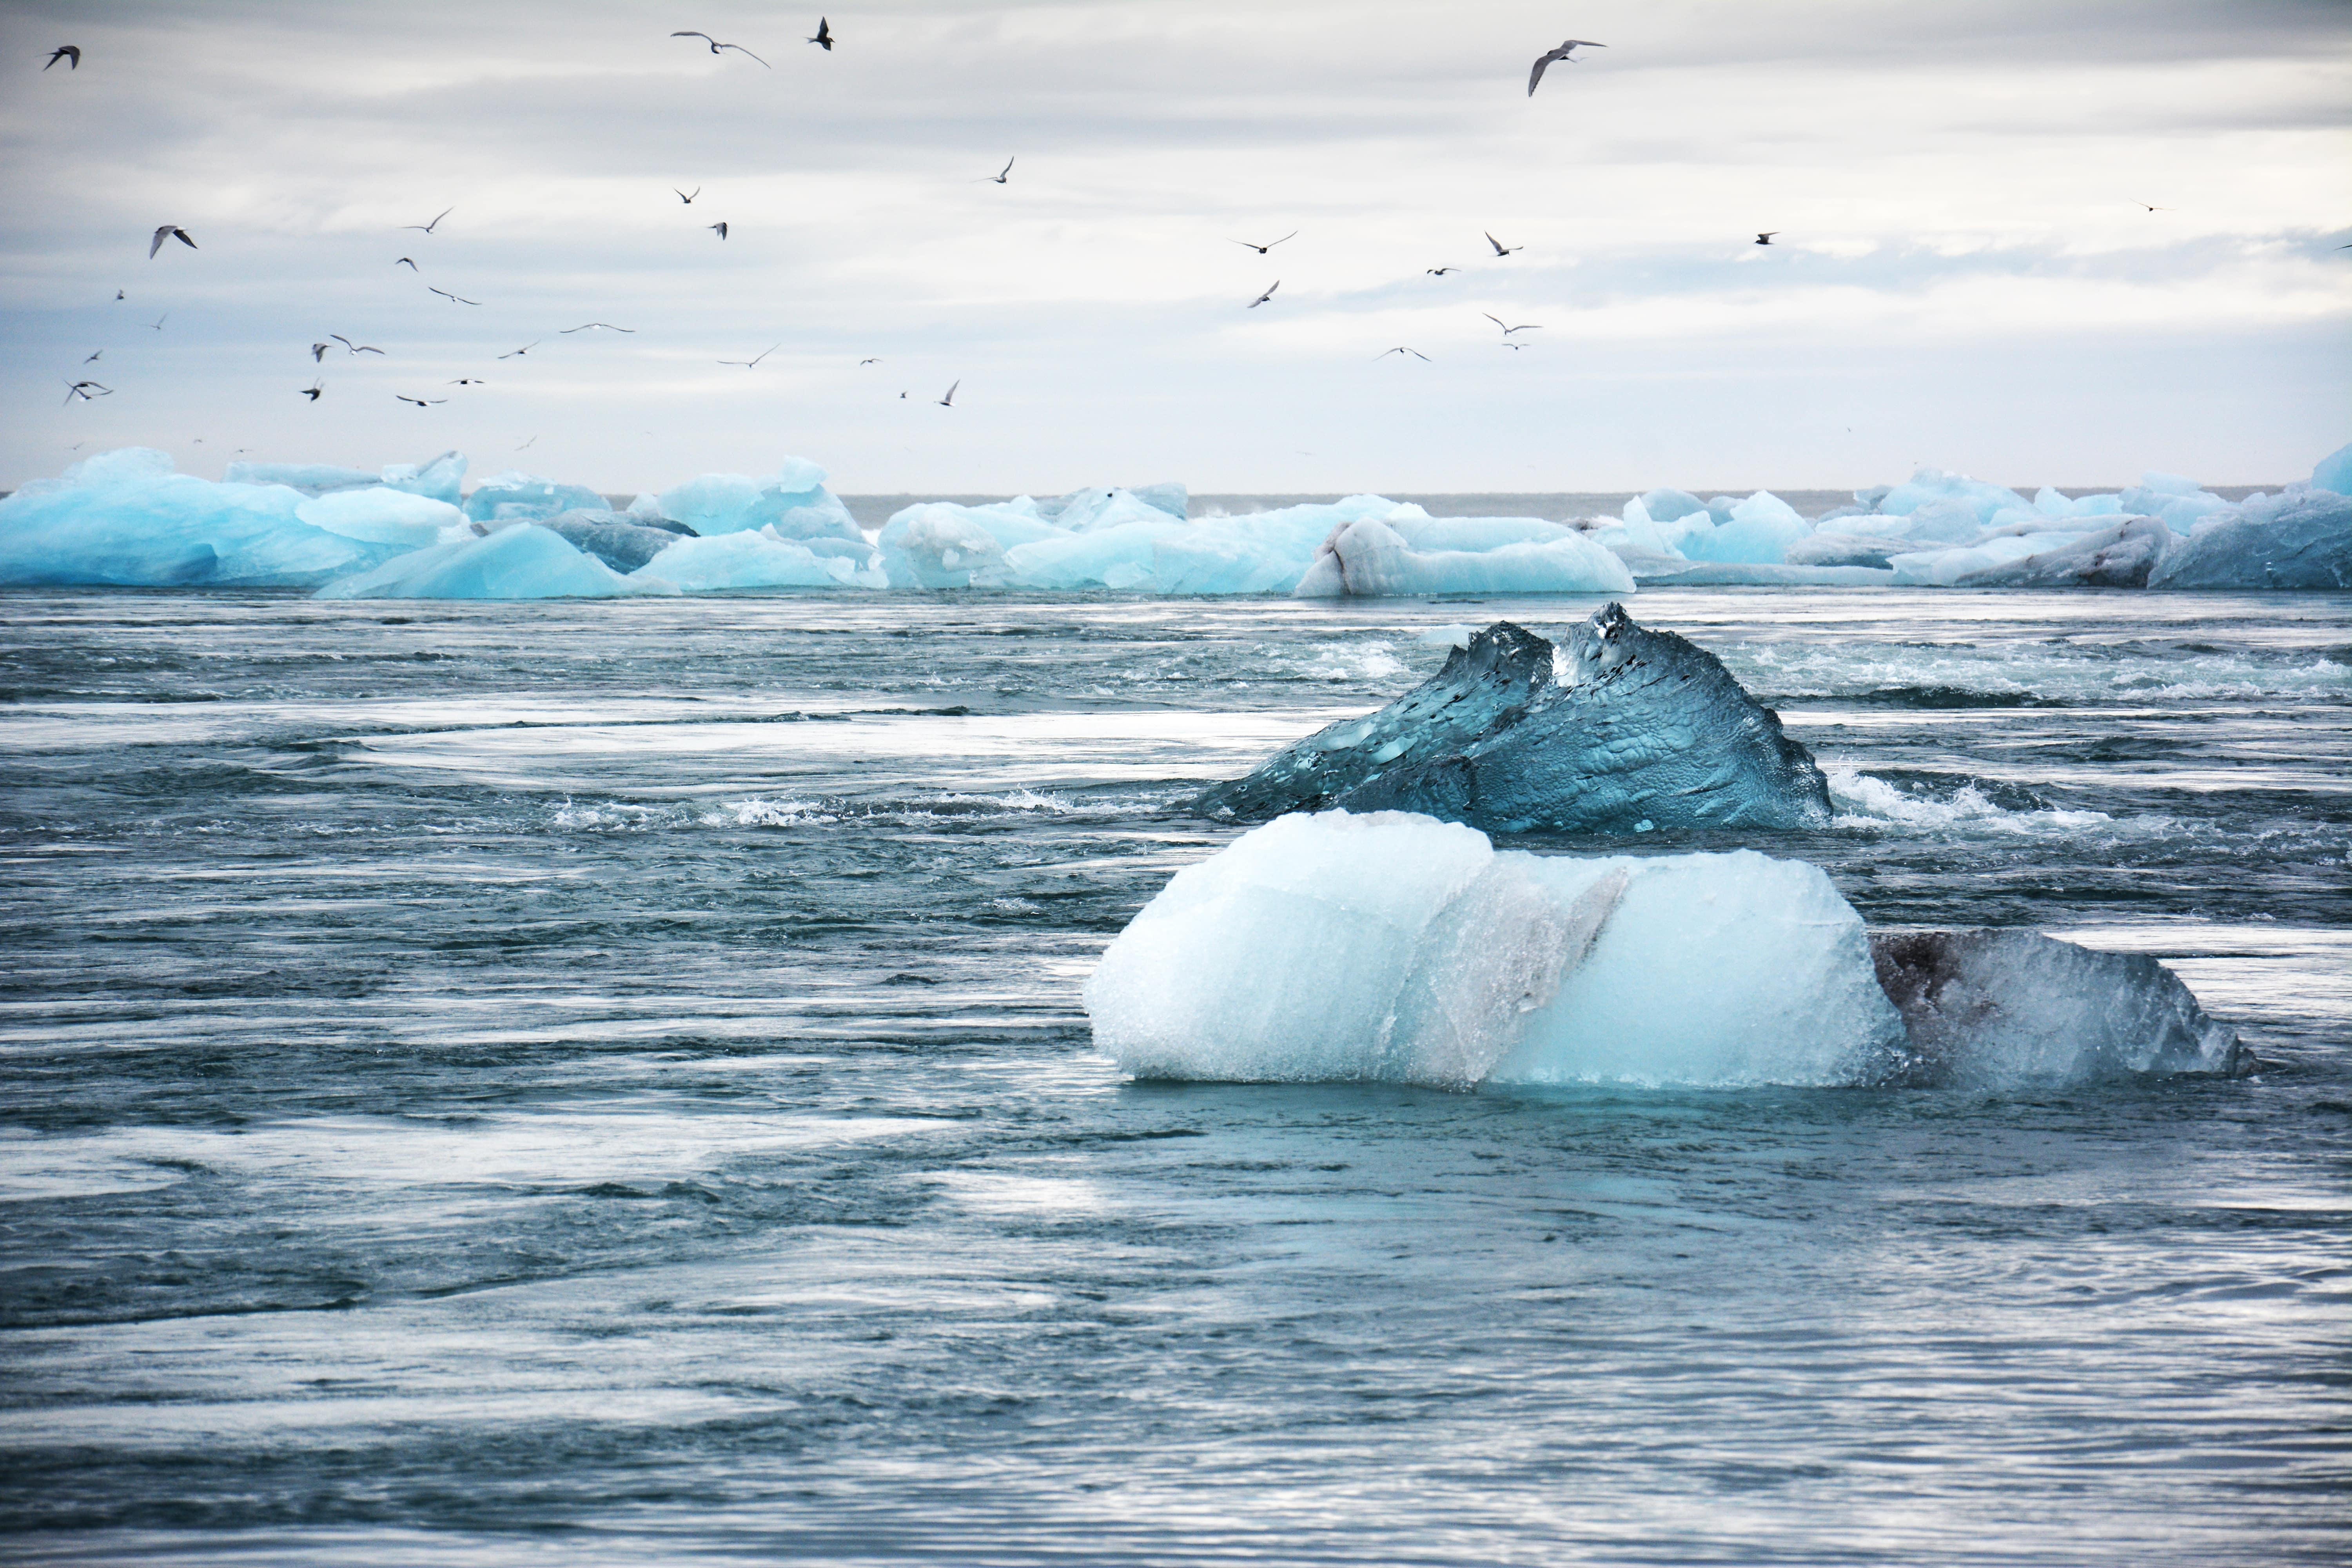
(1615, 728)
(522, 562)
(793, 501)
(128, 519)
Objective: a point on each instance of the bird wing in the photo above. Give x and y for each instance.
(1535, 75)
(704, 37)
(156, 244)
(1008, 165)
(951, 391)
(182, 235)
(1496, 319)
(742, 50)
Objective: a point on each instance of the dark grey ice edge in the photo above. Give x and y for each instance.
(1625, 726)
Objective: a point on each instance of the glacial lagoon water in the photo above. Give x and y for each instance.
(606, 1083)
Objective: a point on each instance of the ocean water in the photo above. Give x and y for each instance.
(600, 1083)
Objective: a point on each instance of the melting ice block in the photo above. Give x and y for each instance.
(1392, 947)
(2002, 1009)
(1616, 726)
(523, 562)
(125, 518)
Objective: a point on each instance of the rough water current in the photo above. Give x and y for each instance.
(606, 1083)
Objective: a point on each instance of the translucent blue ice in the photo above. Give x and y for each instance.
(793, 500)
(746, 559)
(521, 562)
(515, 496)
(125, 518)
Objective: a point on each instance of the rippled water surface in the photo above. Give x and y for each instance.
(606, 1083)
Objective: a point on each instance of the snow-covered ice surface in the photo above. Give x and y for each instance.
(605, 1080)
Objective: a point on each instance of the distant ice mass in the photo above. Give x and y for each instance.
(125, 518)
(1615, 726)
(1391, 947)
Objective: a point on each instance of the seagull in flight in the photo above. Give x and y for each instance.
(1415, 353)
(313, 391)
(683, 196)
(466, 380)
(93, 359)
(418, 401)
(715, 46)
(81, 389)
(168, 231)
(1262, 298)
(866, 362)
(355, 348)
(749, 363)
(949, 401)
(118, 294)
(157, 324)
(586, 325)
(429, 227)
(69, 53)
(524, 350)
(1500, 249)
(1567, 51)
(998, 178)
(2153, 209)
(720, 228)
(823, 38)
(1527, 327)
(1440, 272)
(1766, 238)
(453, 298)
(526, 443)
(407, 262)
(1269, 245)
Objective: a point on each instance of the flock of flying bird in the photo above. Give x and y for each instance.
(87, 390)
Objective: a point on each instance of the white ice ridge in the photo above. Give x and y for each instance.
(1393, 947)
(126, 518)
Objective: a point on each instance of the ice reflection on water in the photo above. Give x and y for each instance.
(612, 1073)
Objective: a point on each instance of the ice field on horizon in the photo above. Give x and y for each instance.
(127, 518)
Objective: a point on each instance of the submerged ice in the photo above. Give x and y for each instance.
(1616, 727)
(1392, 947)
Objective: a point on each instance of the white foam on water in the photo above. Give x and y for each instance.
(1868, 802)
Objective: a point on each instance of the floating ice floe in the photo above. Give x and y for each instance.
(1392, 947)
(1617, 729)
(126, 519)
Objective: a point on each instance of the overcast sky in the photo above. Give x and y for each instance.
(1964, 275)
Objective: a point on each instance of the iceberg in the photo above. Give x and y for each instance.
(2333, 472)
(126, 519)
(1997, 1009)
(522, 562)
(1460, 556)
(743, 558)
(623, 541)
(437, 480)
(382, 516)
(515, 496)
(1616, 727)
(2121, 556)
(2302, 539)
(793, 501)
(1390, 947)
(1082, 511)
(1760, 531)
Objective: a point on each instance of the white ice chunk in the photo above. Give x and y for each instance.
(1391, 946)
(1665, 505)
(516, 496)
(1761, 530)
(2302, 539)
(1715, 968)
(438, 480)
(938, 544)
(1385, 946)
(125, 518)
(1118, 556)
(522, 562)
